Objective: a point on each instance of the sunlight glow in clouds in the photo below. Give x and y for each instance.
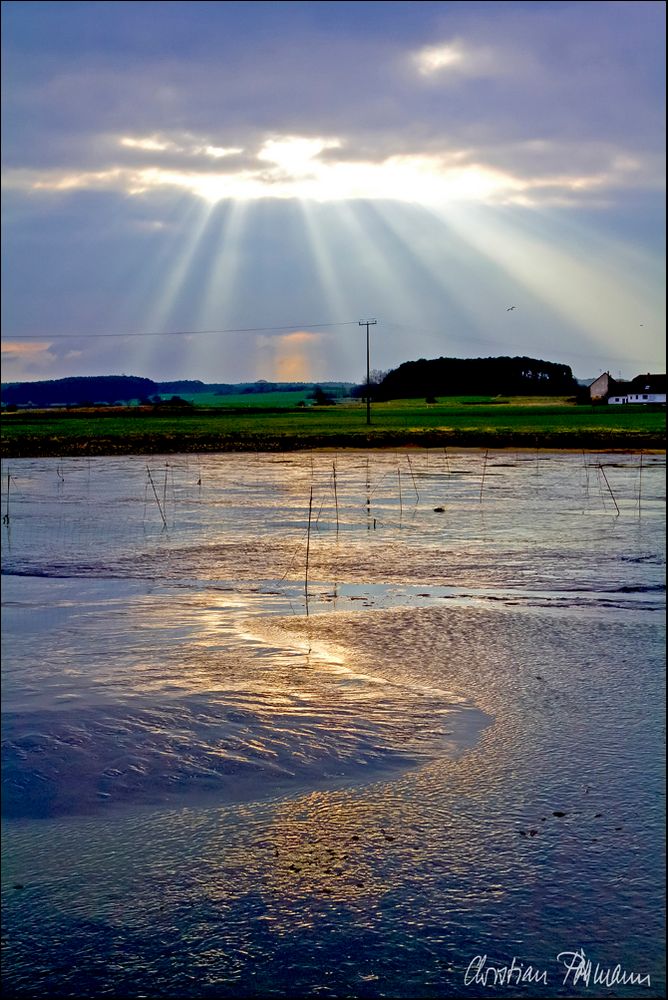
(294, 154)
(22, 349)
(293, 166)
(437, 62)
(424, 179)
(30, 360)
(158, 144)
(291, 357)
(153, 145)
(438, 57)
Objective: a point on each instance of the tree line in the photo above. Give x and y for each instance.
(504, 376)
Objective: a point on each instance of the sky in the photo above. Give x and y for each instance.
(223, 191)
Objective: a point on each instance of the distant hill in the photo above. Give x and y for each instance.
(78, 390)
(124, 389)
(477, 377)
(424, 378)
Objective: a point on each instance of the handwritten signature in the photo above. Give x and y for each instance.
(577, 968)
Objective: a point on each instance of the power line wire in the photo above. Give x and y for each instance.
(174, 333)
(294, 326)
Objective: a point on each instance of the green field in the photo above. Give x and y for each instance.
(267, 423)
(245, 400)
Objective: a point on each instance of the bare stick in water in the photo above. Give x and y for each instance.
(308, 546)
(368, 496)
(608, 485)
(401, 506)
(639, 483)
(413, 477)
(5, 519)
(586, 468)
(484, 468)
(157, 498)
(317, 520)
(336, 499)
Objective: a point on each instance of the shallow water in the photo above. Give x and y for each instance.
(222, 781)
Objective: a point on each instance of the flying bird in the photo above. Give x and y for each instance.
(510, 308)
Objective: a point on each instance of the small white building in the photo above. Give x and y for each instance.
(640, 397)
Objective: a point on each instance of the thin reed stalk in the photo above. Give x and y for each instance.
(368, 496)
(5, 519)
(608, 485)
(401, 506)
(317, 520)
(482, 480)
(410, 466)
(157, 498)
(336, 499)
(308, 546)
(586, 468)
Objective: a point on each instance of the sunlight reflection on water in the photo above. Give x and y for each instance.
(212, 792)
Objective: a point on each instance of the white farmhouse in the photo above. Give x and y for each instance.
(643, 389)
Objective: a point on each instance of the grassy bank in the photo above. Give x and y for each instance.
(463, 422)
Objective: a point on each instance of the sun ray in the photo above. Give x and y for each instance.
(227, 256)
(321, 252)
(155, 250)
(596, 303)
(462, 310)
(435, 269)
(213, 288)
(175, 274)
(199, 285)
(150, 268)
(376, 281)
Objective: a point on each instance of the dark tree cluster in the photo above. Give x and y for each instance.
(171, 404)
(79, 391)
(87, 390)
(322, 398)
(370, 388)
(477, 377)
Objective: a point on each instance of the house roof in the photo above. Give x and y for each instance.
(618, 386)
(648, 383)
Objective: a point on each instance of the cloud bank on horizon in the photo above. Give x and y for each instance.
(178, 168)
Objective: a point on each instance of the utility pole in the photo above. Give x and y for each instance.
(367, 323)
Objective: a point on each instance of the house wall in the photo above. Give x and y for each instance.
(646, 397)
(638, 398)
(599, 387)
